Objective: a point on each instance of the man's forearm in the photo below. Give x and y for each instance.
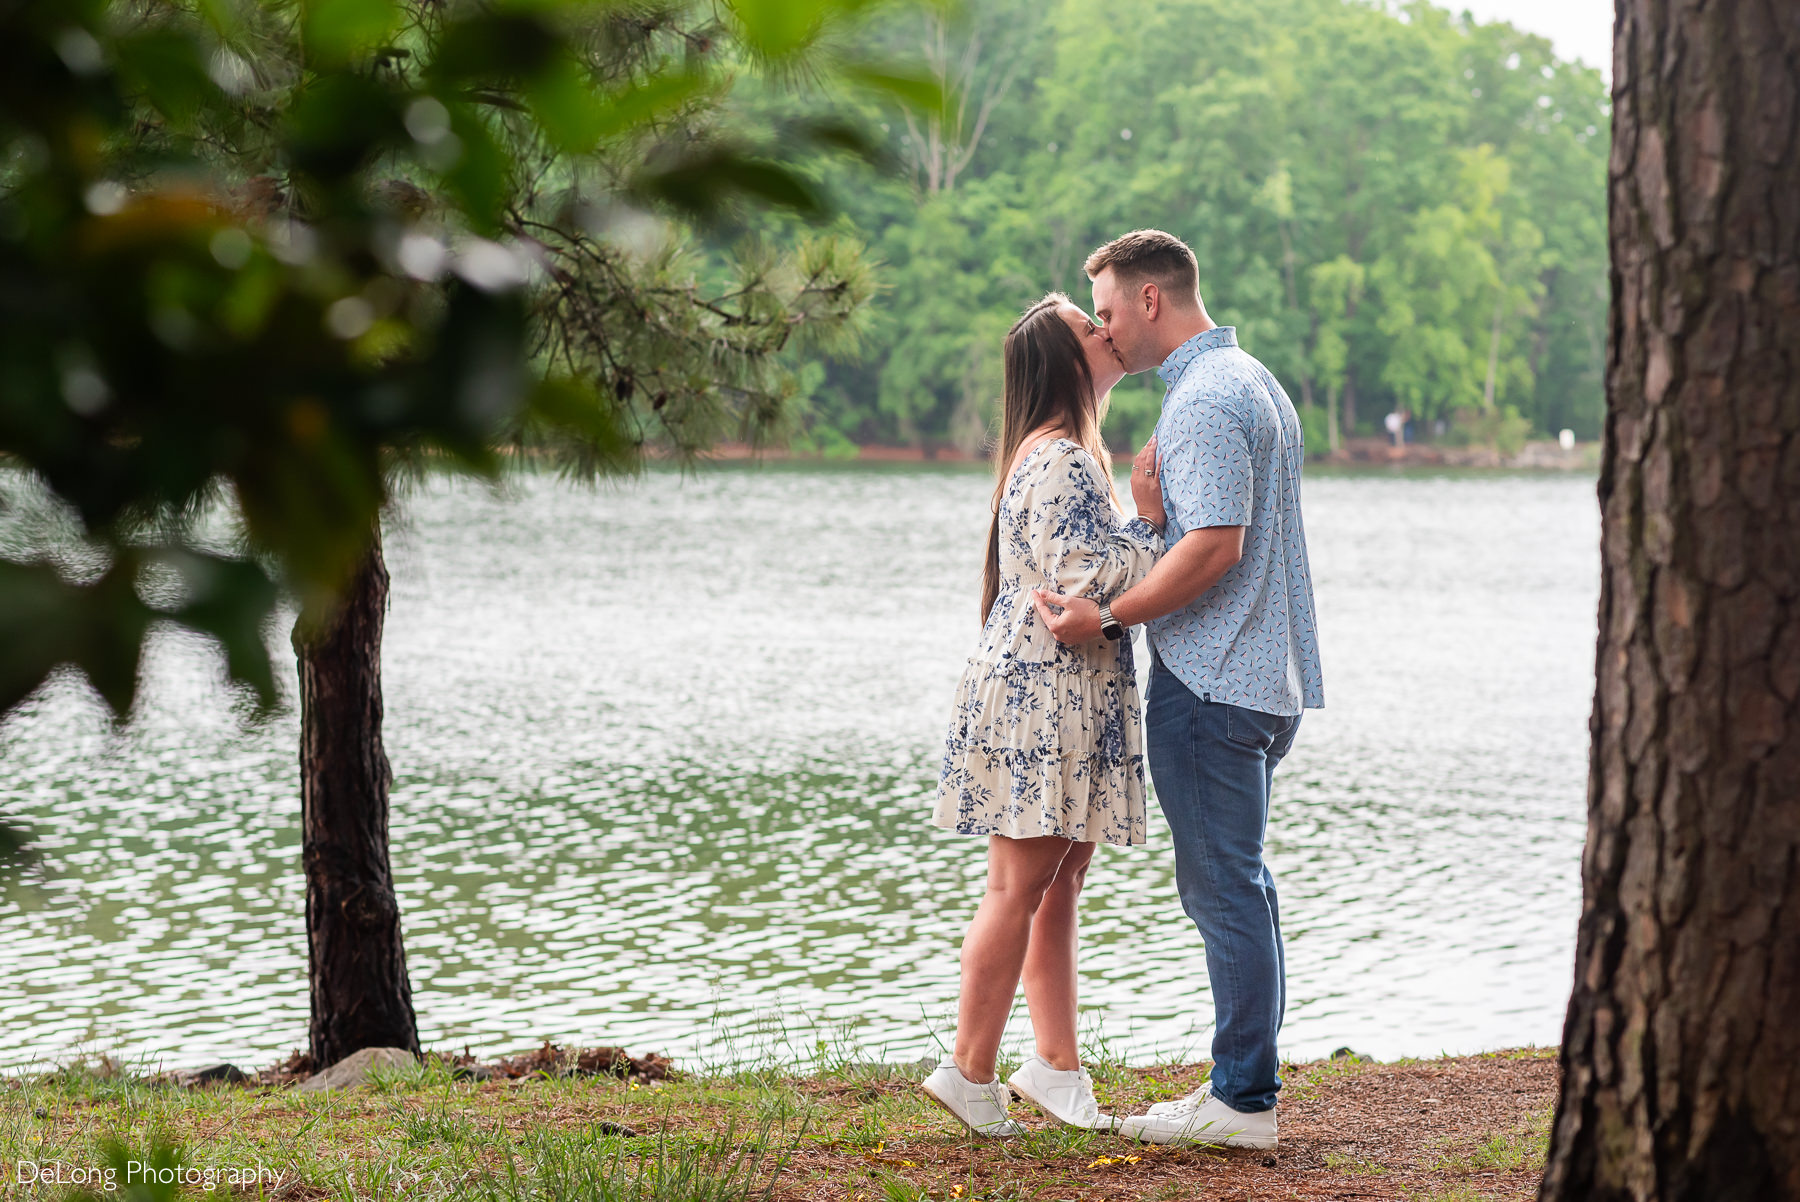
(1194, 564)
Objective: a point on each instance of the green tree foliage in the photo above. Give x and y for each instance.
(271, 249)
(1397, 207)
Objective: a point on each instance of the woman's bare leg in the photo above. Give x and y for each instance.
(994, 948)
(1049, 970)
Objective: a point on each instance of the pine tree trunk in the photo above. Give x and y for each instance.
(1681, 1054)
(355, 959)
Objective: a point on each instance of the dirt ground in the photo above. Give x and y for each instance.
(1450, 1130)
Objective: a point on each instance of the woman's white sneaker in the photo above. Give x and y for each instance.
(1201, 1118)
(979, 1107)
(1066, 1095)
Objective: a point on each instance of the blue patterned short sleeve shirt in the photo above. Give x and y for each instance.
(1229, 442)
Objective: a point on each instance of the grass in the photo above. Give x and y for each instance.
(1455, 1193)
(848, 1129)
(1353, 1164)
(1506, 1152)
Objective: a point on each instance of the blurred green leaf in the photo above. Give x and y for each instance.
(339, 122)
(704, 184)
(335, 31)
(659, 96)
(46, 621)
(167, 69)
(15, 847)
(778, 28)
(226, 17)
(232, 600)
(564, 101)
(495, 47)
(479, 176)
(478, 381)
(844, 136)
(915, 89)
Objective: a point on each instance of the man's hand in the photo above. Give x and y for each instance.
(1079, 621)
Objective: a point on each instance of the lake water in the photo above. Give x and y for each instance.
(664, 756)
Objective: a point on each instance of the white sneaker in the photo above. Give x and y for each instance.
(980, 1108)
(1201, 1118)
(1066, 1095)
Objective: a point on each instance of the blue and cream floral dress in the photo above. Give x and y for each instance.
(1047, 739)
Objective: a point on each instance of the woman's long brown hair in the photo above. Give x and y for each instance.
(1047, 384)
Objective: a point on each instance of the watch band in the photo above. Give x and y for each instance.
(1109, 625)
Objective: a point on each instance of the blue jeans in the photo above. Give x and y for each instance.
(1213, 765)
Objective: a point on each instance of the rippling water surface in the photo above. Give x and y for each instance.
(663, 760)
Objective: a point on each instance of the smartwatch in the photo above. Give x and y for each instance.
(1109, 625)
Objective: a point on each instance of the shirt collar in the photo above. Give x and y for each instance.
(1192, 349)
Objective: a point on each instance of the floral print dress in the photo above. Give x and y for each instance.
(1047, 739)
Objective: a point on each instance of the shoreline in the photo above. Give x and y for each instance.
(1538, 455)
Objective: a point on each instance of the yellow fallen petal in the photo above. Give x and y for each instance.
(1101, 1161)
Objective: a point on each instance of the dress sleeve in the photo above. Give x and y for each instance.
(1083, 545)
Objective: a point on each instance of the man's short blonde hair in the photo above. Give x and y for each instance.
(1149, 257)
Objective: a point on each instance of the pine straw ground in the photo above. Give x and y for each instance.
(1461, 1129)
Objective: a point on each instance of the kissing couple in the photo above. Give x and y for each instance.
(1046, 750)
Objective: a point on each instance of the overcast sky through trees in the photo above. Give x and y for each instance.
(1580, 29)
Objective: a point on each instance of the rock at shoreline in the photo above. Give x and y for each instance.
(216, 1074)
(354, 1069)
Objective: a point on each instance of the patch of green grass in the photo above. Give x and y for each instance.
(563, 1166)
(1173, 1190)
(1455, 1193)
(1344, 1163)
(1103, 1057)
(1507, 1152)
(430, 1073)
(896, 1189)
(436, 1125)
(1303, 1082)
(1052, 1141)
(877, 1119)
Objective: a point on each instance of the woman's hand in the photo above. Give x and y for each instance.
(1146, 485)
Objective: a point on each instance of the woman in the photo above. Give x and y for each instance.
(1045, 751)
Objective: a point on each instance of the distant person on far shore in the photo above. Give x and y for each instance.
(1044, 757)
(1234, 657)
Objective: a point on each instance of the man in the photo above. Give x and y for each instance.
(1234, 653)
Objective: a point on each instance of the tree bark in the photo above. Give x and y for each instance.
(356, 962)
(1681, 1053)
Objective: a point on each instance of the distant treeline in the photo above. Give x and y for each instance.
(1399, 209)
